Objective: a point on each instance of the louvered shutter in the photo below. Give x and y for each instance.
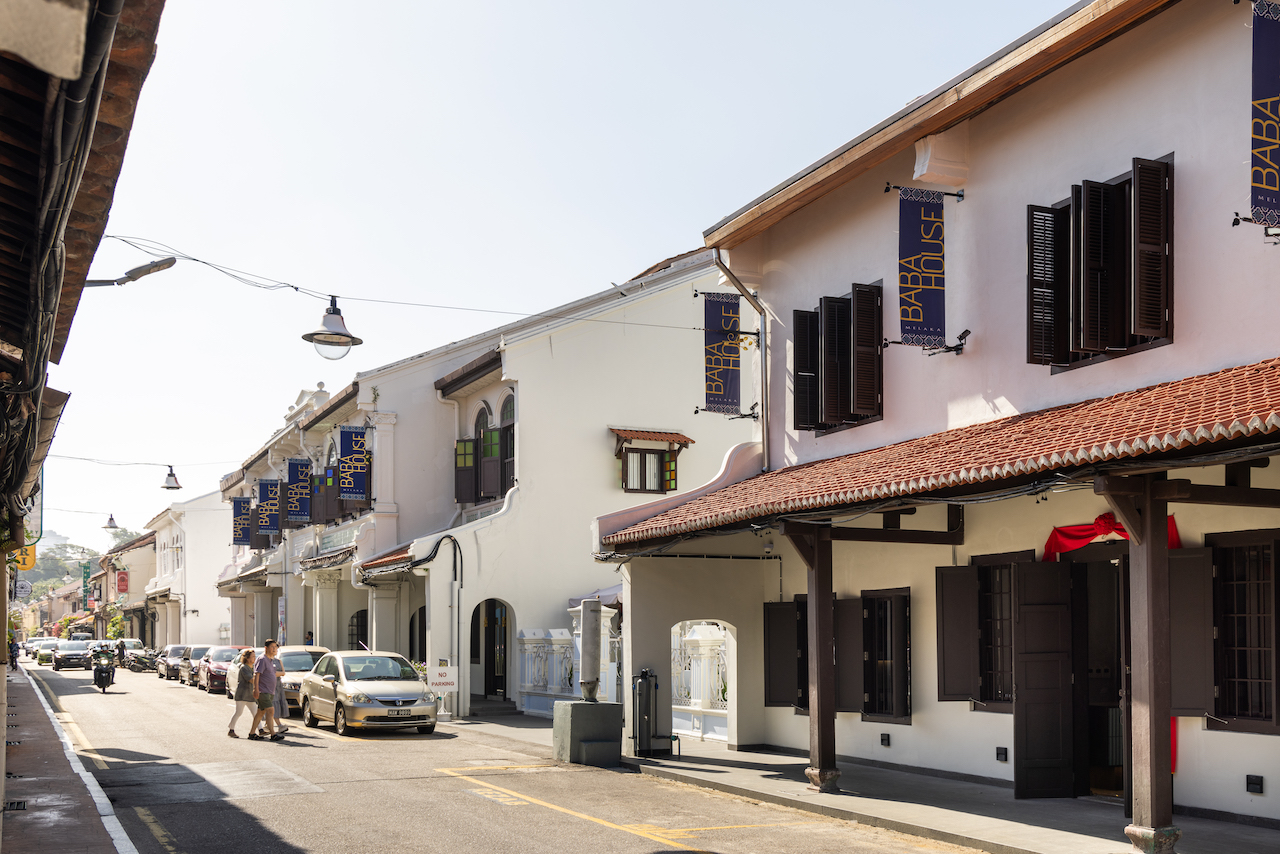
(1100, 299)
(1048, 279)
(508, 457)
(834, 367)
(867, 332)
(257, 540)
(333, 504)
(957, 632)
(464, 471)
(849, 665)
(780, 654)
(1151, 216)
(804, 400)
(1191, 646)
(490, 463)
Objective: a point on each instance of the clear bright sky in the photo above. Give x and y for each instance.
(504, 156)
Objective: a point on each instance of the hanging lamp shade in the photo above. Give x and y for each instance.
(332, 340)
(111, 523)
(171, 481)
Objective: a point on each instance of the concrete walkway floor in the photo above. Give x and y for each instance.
(972, 814)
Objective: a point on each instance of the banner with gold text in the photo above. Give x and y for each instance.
(922, 304)
(1264, 129)
(721, 352)
(298, 491)
(268, 507)
(241, 521)
(353, 464)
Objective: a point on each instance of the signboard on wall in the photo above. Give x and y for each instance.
(241, 521)
(722, 353)
(1264, 120)
(268, 507)
(298, 491)
(443, 680)
(922, 294)
(353, 464)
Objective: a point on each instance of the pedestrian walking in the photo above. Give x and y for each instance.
(243, 697)
(282, 704)
(264, 687)
(14, 650)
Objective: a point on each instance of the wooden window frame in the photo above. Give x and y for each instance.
(358, 629)
(1220, 543)
(1107, 290)
(665, 458)
(897, 601)
(838, 362)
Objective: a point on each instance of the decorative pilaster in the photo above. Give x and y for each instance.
(325, 582)
(384, 461)
(384, 610)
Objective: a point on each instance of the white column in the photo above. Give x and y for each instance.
(326, 582)
(264, 623)
(384, 623)
(295, 619)
(384, 468)
(173, 608)
(239, 618)
(160, 636)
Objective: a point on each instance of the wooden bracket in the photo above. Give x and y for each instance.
(953, 536)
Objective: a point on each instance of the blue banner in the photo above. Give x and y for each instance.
(268, 507)
(241, 521)
(722, 353)
(353, 464)
(1264, 125)
(298, 492)
(922, 303)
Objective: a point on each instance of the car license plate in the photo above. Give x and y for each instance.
(396, 713)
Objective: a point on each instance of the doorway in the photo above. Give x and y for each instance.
(489, 632)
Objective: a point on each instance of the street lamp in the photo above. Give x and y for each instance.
(332, 340)
(171, 481)
(111, 523)
(134, 274)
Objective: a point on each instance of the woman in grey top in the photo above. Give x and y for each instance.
(244, 691)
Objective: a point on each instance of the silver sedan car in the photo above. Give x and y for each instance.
(359, 688)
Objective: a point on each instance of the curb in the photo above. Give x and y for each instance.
(106, 812)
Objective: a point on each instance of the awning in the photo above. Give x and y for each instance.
(651, 436)
(609, 596)
(135, 606)
(332, 559)
(1235, 403)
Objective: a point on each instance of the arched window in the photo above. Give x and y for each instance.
(331, 459)
(482, 422)
(507, 442)
(358, 630)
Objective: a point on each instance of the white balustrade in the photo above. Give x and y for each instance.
(699, 680)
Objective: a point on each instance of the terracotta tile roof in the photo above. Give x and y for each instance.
(651, 435)
(1229, 404)
(397, 556)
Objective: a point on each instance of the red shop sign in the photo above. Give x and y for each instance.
(122, 582)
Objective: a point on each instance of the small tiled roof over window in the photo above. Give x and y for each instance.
(1231, 404)
(651, 436)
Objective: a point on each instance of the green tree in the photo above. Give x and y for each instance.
(120, 536)
(115, 628)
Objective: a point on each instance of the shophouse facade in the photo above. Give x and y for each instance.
(181, 600)
(927, 518)
(118, 586)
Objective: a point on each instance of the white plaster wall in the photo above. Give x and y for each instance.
(203, 524)
(1178, 83)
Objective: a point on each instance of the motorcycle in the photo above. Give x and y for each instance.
(142, 660)
(104, 669)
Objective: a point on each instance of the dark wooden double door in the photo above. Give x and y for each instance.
(1072, 653)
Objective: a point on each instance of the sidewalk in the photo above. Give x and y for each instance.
(66, 810)
(979, 816)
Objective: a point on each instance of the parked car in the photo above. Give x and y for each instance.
(168, 660)
(44, 651)
(360, 688)
(72, 653)
(187, 665)
(298, 661)
(211, 671)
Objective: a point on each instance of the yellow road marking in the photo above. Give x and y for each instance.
(687, 832)
(632, 830)
(157, 830)
(48, 693)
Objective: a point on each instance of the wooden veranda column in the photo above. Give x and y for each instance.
(1152, 830)
(822, 771)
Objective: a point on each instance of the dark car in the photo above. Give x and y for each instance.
(190, 659)
(211, 671)
(72, 654)
(168, 659)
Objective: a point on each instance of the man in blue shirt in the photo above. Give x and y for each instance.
(264, 688)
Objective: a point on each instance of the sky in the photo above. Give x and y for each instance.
(488, 156)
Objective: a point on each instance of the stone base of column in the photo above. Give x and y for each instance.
(1153, 840)
(824, 779)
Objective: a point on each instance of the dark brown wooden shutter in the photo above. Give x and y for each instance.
(333, 503)
(1100, 299)
(780, 654)
(1048, 281)
(490, 463)
(464, 471)
(1152, 243)
(508, 457)
(804, 398)
(836, 349)
(848, 624)
(868, 348)
(958, 633)
(901, 655)
(1191, 647)
(257, 540)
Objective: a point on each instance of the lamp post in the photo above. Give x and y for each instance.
(134, 274)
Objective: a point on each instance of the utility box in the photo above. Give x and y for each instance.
(587, 733)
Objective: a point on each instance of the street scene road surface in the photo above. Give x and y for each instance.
(178, 783)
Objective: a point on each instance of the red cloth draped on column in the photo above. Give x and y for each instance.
(1070, 537)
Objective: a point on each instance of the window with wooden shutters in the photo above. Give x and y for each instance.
(1100, 268)
(886, 646)
(804, 398)
(1048, 282)
(508, 421)
(957, 632)
(491, 463)
(648, 470)
(848, 640)
(838, 367)
(781, 654)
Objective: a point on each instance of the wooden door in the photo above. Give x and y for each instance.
(495, 650)
(1042, 693)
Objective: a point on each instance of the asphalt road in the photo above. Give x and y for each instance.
(179, 784)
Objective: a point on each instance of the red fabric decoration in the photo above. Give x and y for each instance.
(1071, 537)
